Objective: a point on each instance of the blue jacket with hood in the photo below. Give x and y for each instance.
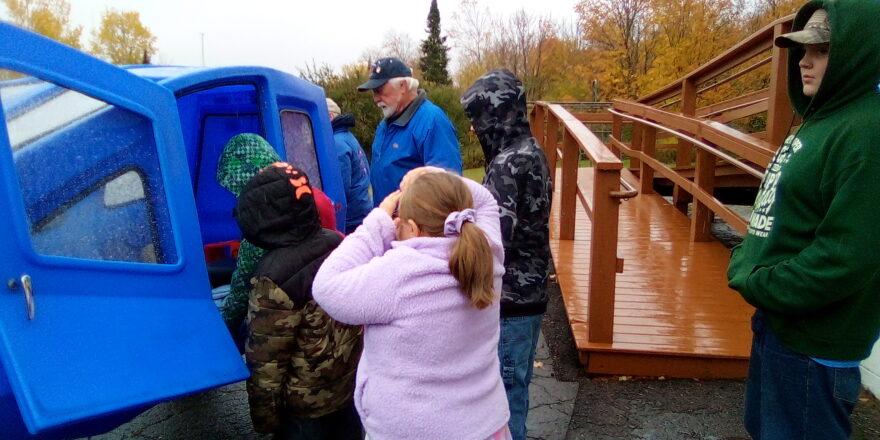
(355, 172)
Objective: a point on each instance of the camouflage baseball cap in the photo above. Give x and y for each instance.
(816, 31)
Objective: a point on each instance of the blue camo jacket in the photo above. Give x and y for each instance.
(421, 135)
(518, 175)
(355, 172)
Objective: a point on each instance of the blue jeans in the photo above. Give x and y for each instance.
(516, 351)
(792, 397)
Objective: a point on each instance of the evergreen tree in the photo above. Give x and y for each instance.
(434, 51)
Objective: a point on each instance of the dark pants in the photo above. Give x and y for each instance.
(344, 424)
(792, 397)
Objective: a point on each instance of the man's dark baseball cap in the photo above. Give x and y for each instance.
(383, 70)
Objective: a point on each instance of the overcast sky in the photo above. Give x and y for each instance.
(286, 34)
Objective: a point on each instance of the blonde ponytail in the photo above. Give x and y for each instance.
(428, 201)
(471, 264)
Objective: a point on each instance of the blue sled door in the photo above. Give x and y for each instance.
(105, 305)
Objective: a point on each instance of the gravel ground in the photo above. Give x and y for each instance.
(218, 414)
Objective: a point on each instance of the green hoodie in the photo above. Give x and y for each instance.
(811, 259)
(242, 158)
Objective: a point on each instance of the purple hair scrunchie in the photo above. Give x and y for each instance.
(455, 219)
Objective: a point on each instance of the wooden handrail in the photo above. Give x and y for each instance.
(587, 142)
(704, 146)
(756, 43)
(627, 192)
(743, 111)
(718, 108)
(736, 75)
(725, 80)
(713, 141)
(748, 147)
(690, 187)
(602, 205)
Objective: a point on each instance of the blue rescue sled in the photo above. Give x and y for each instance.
(108, 196)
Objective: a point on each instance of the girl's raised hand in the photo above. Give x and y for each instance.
(389, 205)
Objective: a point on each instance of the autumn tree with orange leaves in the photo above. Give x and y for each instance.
(682, 37)
(123, 39)
(642, 45)
(622, 34)
(50, 18)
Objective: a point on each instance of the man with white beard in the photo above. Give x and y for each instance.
(413, 133)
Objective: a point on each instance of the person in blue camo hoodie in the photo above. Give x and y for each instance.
(518, 176)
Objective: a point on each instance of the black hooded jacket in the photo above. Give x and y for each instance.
(288, 228)
(518, 176)
(302, 362)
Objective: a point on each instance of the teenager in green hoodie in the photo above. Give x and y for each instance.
(810, 262)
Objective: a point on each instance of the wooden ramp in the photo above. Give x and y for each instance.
(673, 312)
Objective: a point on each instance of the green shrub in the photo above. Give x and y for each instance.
(343, 90)
(447, 98)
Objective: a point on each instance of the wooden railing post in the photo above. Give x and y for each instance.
(649, 145)
(688, 97)
(551, 144)
(683, 150)
(616, 131)
(603, 255)
(636, 144)
(704, 174)
(779, 112)
(568, 202)
(704, 178)
(537, 117)
(680, 197)
(532, 116)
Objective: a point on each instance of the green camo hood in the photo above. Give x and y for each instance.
(242, 158)
(854, 59)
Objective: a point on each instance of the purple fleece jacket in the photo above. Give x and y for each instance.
(429, 369)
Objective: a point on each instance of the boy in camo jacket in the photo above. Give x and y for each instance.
(518, 176)
(302, 362)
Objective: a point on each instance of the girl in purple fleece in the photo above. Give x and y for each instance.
(425, 286)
